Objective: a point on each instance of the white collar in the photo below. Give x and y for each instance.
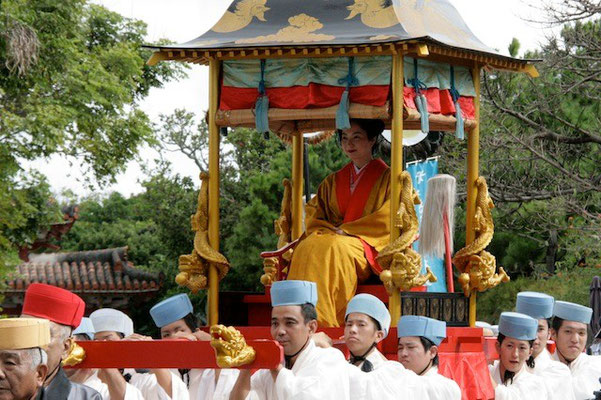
(303, 355)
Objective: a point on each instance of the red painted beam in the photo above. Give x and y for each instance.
(171, 354)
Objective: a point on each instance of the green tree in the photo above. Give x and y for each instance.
(72, 74)
(540, 153)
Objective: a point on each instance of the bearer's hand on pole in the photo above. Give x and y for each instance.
(137, 336)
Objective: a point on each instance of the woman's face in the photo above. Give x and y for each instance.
(356, 145)
(514, 353)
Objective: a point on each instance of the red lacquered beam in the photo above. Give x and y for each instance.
(171, 354)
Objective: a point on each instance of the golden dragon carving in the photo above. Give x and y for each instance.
(478, 266)
(230, 347)
(194, 267)
(402, 264)
(283, 228)
(76, 355)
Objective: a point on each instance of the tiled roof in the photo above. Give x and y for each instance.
(90, 272)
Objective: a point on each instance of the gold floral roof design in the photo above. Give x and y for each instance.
(251, 23)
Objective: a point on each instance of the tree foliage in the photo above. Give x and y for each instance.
(71, 77)
(540, 150)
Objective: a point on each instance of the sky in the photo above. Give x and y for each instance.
(494, 22)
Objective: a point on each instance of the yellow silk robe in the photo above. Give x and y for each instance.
(331, 252)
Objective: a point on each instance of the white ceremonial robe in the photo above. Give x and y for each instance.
(376, 358)
(201, 383)
(439, 386)
(151, 390)
(557, 376)
(317, 374)
(387, 380)
(524, 386)
(586, 371)
(131, 393)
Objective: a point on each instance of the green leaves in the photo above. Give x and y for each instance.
(71, 76)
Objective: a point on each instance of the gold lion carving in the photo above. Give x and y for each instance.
(231, 350)
(76, 355)
(402, 264)
(477, 266)
(194, 267)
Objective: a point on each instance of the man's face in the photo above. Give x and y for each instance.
(59, 346)
(513, 353)
(18, 379)
(360, 332)
(570, 339)
(413, 355)
(289, 329)
(542, 337)
(107, 336)
(174, 328)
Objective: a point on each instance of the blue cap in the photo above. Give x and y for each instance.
(372, 306)
(573, 312)
(518, 326)
(170, 310)
(85, 328)
(537, 305)
(109, 319)
(414, 325)
(293, 293)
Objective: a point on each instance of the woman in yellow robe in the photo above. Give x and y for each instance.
(347, 223)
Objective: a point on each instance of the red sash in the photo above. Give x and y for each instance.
(351, 206)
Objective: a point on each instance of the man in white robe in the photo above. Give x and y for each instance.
(419, 338)
(372, 376)
(510, 376)
(557, 376)
(310, 372)
(112, 386)
(569, 331)
(175, 318)
(160, 384)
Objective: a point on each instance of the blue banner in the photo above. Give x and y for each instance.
(420, 173)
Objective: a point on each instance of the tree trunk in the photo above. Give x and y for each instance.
(551, 251)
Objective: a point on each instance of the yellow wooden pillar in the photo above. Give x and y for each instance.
(394, 302)
(213, 297)
(473, 159)
(297, 185)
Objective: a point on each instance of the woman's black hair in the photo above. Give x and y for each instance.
(372, 127)
(509, 375)
(427, 343)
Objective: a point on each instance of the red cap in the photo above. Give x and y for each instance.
(53, 303)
